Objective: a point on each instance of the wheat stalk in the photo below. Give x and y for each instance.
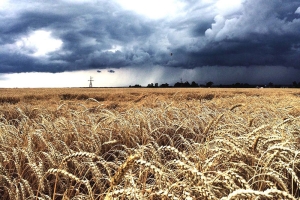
(72, 177)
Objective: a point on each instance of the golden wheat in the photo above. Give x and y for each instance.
(149, 144)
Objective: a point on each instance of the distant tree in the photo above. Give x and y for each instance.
(164, 85)
(136, 86)
(270, 85)
(209, 84)
(237, 85)
(186, 84)
(246, 85)
(295, 84)
(194, 84)
(150, 85)
(240, 85)
(178, 84)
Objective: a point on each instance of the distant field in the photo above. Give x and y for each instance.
(142, 143)
(127, 97)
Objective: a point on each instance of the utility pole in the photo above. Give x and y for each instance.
(91, 79)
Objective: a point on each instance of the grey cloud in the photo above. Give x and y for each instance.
(261, 35)
(87, 33)
(15, 63)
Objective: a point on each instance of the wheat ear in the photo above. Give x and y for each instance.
(254, 145)
(81, 155)
(278, 194)
(247, 194)
(116, 179)
(235, 106)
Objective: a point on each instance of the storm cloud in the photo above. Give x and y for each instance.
(100, 34)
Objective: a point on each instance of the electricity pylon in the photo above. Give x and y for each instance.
(91, 79)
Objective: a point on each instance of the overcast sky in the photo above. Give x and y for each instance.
(62, 43)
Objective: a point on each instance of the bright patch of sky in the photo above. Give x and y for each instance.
(122, 77)
(80, 1)
(225, 7)
(115, 48)
(154, 9)
(3, 4)
(38, 43)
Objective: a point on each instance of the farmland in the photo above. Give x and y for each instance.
(126, 143)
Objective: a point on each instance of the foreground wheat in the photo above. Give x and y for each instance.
(225, 148)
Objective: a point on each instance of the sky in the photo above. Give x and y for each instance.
(62, 43)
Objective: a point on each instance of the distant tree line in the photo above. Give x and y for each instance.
(296, 85)
(178, 84)
(209, 84)
(135, 86)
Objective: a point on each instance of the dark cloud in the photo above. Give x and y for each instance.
(263, 34)
(101, 34)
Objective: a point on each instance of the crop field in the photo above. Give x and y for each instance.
(126, 143)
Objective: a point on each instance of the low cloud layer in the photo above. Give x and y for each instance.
(57, 36)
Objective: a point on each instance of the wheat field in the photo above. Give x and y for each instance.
(125, 143)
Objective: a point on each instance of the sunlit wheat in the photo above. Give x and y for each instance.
(149, 144)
